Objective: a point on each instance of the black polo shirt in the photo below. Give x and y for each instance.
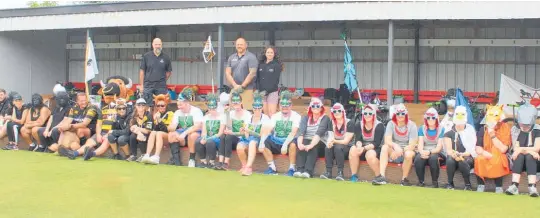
(268, 76)
(155, 69)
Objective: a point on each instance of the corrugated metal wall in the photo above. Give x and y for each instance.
(470, 68)
(33, 61)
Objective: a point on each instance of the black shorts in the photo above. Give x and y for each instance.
(363, 156)
(276, 148)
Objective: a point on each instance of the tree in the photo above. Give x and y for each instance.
(36, 4)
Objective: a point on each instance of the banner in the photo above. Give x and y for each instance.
(349, 71)
(208, 50)
(513, 92)
(91, 68)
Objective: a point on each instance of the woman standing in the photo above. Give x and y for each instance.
(313, 133)
(268, 75)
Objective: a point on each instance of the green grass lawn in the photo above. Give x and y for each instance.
(44, 185)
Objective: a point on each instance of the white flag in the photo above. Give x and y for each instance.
(91, 67)
(512, 92)
(208, 51)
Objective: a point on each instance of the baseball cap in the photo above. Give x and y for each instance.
(140, 101)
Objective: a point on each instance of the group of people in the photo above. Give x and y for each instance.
(256, 117)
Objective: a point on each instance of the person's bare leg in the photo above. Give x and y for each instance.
(268, 156)
(25, 133)
(125, 149)
(3, 131)
(241, 151)
(103, 148)
(266, 109)
(54, 147)
(161, 139)
(371, 157)
(407, 163)
(385, 155)
(354, 160)
(35, 135)
(272, 108)
(151, 142)
(252, 153)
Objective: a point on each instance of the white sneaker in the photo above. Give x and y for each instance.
(499, 190)
(146, 159)
(191, 163)
(297, 174)
(512, 190)
(306, 175)
(480, 188)
(154, 160)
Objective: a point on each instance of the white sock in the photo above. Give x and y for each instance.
(41, 146)
(292, 166)
(272, 165)
(32, 145)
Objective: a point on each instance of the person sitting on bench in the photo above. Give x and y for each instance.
(212, 130)
(430, 152)
(159, 135)
(369, 139)
(278, 136)
(185, 128)
(400, 140)
(493, 141)
(37, 115)
(140, 127)
(16, 117)
(313, 135)
(341, 132)
(237, 119)
(460, 144)
(252, 134)
(526, 144)
(45, 136)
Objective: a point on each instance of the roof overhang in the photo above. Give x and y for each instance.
(343, 11)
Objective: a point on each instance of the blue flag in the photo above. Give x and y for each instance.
(462, 101)
(349, 71)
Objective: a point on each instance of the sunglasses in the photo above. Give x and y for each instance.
(286, 105)
(141, 105)
(160, 105)
(401, 114)
(368, 113)
(121, 108)
(337, 111)
(316, 106)
(431, 118)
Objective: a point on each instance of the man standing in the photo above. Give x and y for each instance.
(154, 72)
(241, 71)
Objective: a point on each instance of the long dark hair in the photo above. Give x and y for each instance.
(262, 58)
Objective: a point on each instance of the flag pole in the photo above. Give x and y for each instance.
(85, 64)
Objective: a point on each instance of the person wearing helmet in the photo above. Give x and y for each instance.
(369, 140)
(430, 144)
(313, 134)
(526, 144)
(493, 141)
(212, 129)
(460, 143)
(401, 137)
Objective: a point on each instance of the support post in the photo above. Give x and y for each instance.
(417, 62)
(389, 89)
(220, 56)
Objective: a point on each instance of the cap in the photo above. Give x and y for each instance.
(140, 101)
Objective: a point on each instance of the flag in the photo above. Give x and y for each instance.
(349, 70)
(91, 67)
(208, 51)
(462, 101)
(514, 92)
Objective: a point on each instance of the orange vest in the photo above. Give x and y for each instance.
(498, 165)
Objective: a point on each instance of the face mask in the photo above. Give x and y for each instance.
(37, 101)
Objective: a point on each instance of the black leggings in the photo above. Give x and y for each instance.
(206, 151)
(306, 160)
(463, 166)
(134, 144)
(50, 140)
(525, 162)
(498, 181)
(228, 142)
(13, 130)
(337, 152)
(420, 167)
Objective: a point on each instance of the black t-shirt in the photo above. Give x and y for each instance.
(455, 146)
(146, 122)
(58, 115)
(378, 136)
(268, 75)
(5, 107)
(480, 137)
(18, 112)
(523, 138)
(155, 69)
